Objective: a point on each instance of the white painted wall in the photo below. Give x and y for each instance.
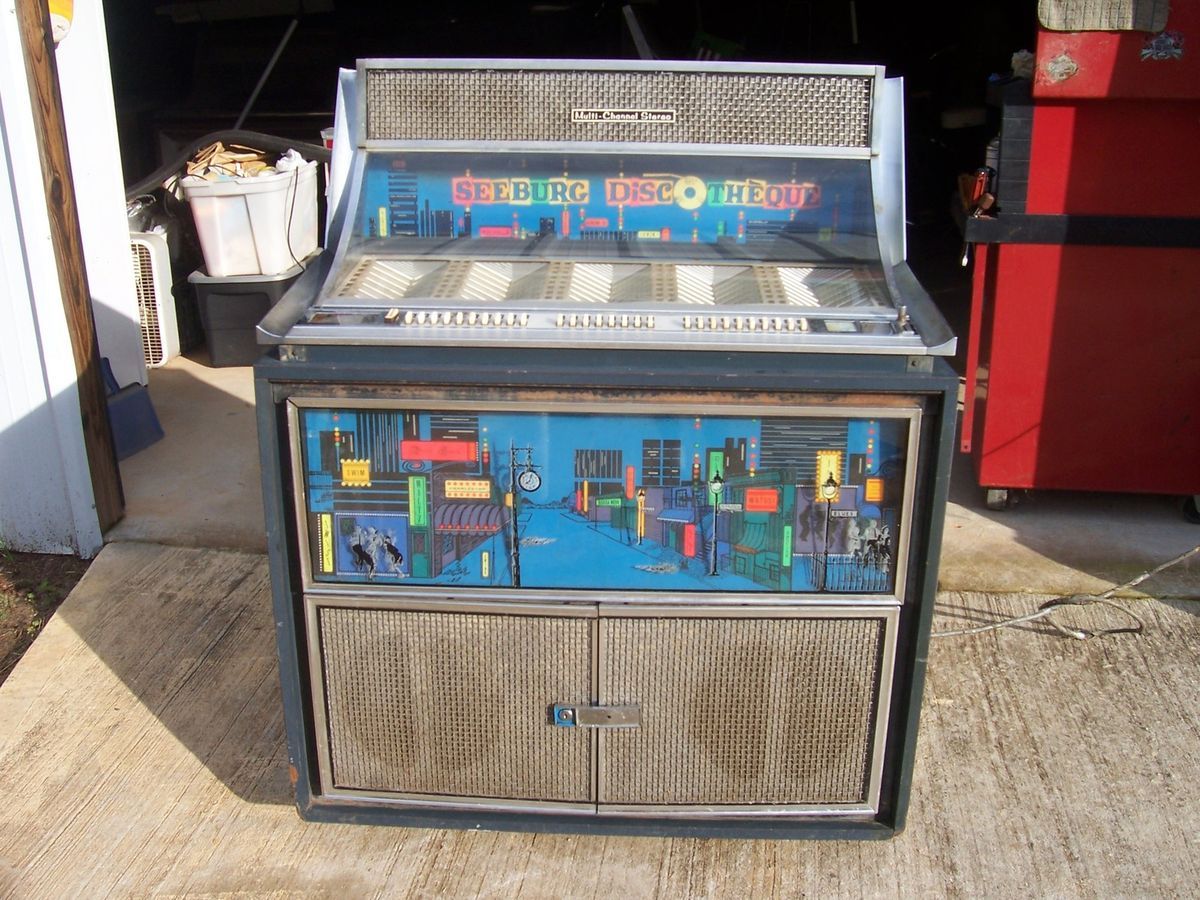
(46, 500)
(86, 82)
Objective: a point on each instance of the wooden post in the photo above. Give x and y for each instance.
(34, 22)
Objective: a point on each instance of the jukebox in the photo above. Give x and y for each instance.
(605, 453)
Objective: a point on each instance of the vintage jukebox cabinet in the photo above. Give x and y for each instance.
(605, 454)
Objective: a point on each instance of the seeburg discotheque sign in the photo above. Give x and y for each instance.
(686, 192)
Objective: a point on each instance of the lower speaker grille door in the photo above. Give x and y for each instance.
(778, 712)
(453, 704)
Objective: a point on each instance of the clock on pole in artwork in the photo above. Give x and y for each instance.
(529, 481)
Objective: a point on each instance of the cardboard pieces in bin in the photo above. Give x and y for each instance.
(252, 218)
(216, 161)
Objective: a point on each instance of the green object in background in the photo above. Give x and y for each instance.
(785, 558)
(608, 501)
(716, 463)
(418, 510)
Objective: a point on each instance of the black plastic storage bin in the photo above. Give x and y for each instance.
(231, 307)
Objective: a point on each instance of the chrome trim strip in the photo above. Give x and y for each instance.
(581, 597)
(750, 811)
(575, 598)
(409, 395)
(376, 336)
(351, 195)
(299, 494)
(622, 147)
(619, 65)
(402, 601)
(883, 709)
(466, 803)
(863, 609)
(906, 506)
(887, 169)
(316, 677)
(343, 305)
(926, 317)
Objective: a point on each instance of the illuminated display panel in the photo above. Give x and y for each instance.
(797, 504)
(632, 207)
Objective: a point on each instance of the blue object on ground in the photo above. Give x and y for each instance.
(130, 414)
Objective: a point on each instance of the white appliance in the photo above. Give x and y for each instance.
(156, 305)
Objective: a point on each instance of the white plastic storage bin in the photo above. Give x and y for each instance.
(256, 226)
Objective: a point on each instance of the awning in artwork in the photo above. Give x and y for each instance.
(683, 514)
(468, 518)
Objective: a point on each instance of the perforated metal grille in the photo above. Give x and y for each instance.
(143, 279)
(536, 105)
(1103, 15)
(828, 288)
(741, 711)
(384, 278)
(455, 704)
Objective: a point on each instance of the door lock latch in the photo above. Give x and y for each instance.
(566, 715)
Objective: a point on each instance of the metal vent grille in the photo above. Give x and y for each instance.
(454, 704)
(741, 711)
(387, 279)
(536, 105)
(1103, 15)
(143, 279)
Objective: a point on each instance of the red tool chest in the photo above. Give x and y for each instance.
(1083, 367)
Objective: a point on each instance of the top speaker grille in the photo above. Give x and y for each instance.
(814, 110)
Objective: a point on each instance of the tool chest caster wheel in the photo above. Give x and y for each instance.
(1191, 509)
(997, 499)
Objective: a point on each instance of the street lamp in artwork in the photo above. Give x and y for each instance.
(829, 491)
(716, 487)
(641, 514)
(527, 480)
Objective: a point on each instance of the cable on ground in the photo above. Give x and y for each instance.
(1079, 634)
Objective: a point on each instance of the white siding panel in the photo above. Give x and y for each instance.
(46, 501)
